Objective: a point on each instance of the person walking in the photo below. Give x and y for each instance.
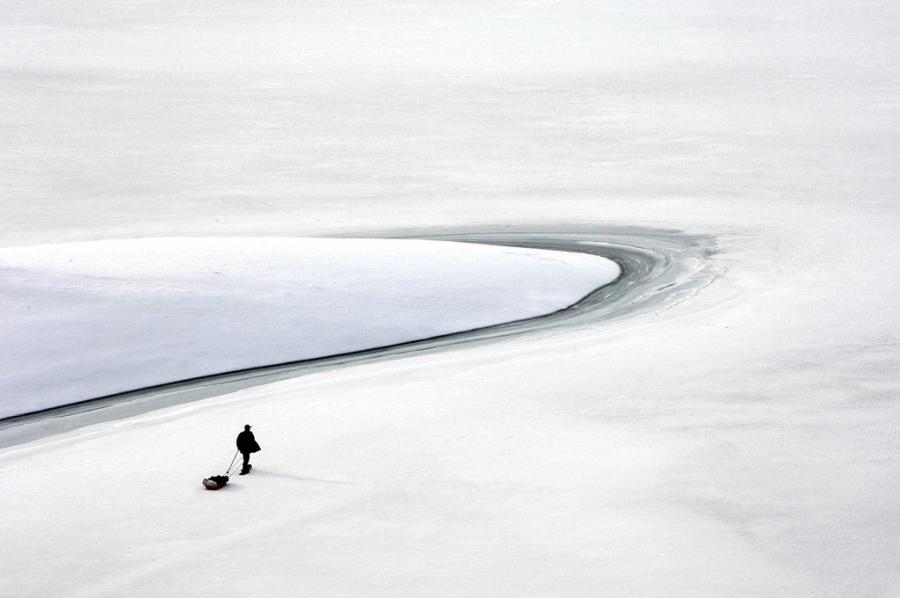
(246, 444)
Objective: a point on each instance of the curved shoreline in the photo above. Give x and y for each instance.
(659, 268)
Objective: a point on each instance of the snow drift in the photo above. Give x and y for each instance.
(89, 319)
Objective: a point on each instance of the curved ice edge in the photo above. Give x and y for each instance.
(658, 269)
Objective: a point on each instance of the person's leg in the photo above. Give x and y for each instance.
(246, 466)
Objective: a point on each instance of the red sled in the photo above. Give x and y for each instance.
(214, 482)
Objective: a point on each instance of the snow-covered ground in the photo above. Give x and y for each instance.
(84, 320)
(743, 442)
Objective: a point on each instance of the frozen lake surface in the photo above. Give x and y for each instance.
(741, 441)
(86, 320)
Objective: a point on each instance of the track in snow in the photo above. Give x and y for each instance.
(660, 268)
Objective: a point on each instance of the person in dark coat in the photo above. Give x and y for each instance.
(247, 445)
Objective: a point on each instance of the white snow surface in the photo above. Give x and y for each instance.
(84, 320)
(741, 443)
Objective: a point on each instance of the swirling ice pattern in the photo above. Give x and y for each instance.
(660, 268)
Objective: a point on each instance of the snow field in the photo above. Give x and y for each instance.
(89, 319)
(742, 443)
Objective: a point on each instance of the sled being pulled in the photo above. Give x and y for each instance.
(214, 482)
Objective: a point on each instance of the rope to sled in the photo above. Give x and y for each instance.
(231, 465)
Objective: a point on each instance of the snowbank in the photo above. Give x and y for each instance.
(88, 319)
